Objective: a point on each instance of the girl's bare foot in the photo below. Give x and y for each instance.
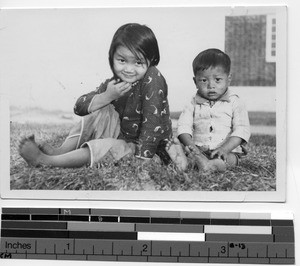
(46, 148)
(176, 153)
(30, 151)
(215, 165)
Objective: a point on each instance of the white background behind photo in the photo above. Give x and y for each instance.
(46, 76)
(52, 56)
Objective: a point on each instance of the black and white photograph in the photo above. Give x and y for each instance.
(144, 103)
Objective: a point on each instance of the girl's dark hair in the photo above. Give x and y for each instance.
(138, 39)
(211, 58)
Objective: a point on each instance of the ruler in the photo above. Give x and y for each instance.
(147, 236)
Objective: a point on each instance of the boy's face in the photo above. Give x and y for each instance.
(212, 83)
(127, 67)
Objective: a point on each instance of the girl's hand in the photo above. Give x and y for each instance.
(116, 89)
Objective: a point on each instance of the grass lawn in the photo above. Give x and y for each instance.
(257, 171)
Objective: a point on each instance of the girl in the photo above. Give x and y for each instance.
(127, 114)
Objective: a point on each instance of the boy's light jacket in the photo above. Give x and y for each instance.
(211, 123)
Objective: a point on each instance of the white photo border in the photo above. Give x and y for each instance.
(186, 196)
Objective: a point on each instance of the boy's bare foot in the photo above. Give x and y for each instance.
(232, 160)
(30, 151)
(215, 165)
(176, 153)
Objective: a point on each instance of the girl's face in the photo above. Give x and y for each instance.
(127, 66)
(212, 83)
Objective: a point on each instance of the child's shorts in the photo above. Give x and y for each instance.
(108, 147)
(101, 124)
(99, 132)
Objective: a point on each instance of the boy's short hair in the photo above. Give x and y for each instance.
(138, 39)
(211, 58)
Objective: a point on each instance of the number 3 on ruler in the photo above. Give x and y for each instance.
(223, 249)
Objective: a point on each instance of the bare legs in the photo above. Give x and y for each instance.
(68, 145)
(232, 160)
(176, 153)
(67, 156)
(31, 153)
(178, 156)
(207, 165)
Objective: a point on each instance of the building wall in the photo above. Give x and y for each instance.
(245, 43)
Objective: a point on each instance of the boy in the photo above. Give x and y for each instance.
(215, 124)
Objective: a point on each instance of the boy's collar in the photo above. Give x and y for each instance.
(201, 100)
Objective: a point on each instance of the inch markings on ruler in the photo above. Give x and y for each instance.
(146, 236)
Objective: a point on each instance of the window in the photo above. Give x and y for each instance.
(271, 39)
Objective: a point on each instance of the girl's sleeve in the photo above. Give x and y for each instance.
(83, 103)
(156, 114)
(240, 120)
